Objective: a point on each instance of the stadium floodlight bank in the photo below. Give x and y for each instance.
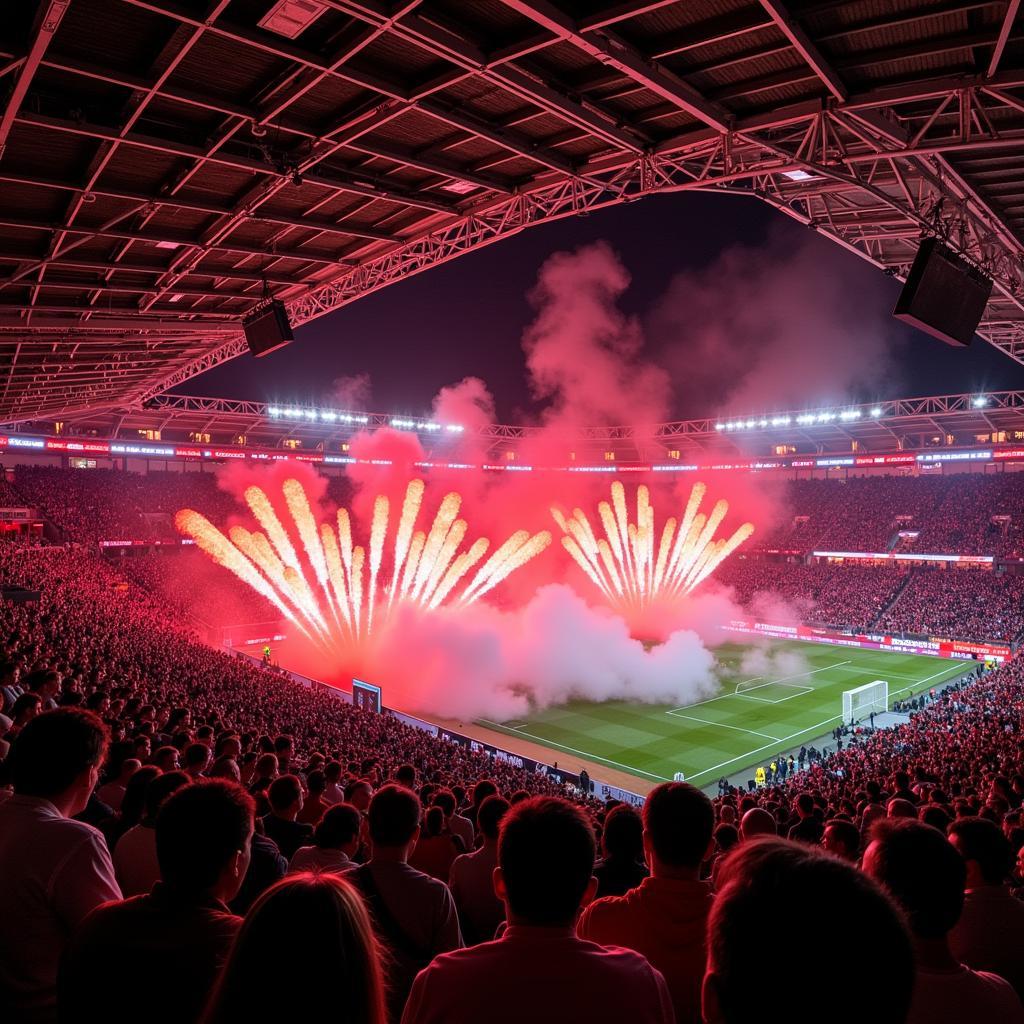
(861, 701)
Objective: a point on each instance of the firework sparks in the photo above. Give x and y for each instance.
(627, 566)
(335, 595)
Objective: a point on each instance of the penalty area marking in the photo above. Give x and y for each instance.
(722, 696)
(722, 725)
(583, 753)
(801, 690)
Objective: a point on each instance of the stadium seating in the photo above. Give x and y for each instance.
(110, 636)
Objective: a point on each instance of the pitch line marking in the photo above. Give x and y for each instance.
(781, 700)
(722, 696)
(583, 753)
(757, 750)
(786, 739)
(723, 725)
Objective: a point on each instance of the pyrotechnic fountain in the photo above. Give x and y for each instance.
(624, 564)
(334, 592)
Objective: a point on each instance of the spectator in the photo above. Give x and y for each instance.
(472, 877)
(842, 839)
(665, 917)
(335, 842)
(25, 707)
(338, 949)
(314, 805)
(436, 848)
(757, 822)
(990, 933)
(457, 824)
(54, 870)
(280, 826)
(926, 876)
(808, 827)
(622, 866)
(546, 859)
(169, 944)
(136, 862)
(414, 913)
(112, 792)
(788, 884)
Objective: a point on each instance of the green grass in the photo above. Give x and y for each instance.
(749, 720)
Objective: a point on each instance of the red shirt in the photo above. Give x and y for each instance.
(538, 975)
(665, 920)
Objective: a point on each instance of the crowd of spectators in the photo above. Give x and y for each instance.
(843, 596)
(194, 586)
(962, 513)
(910, 837)
(106, 504)
(965, 513)
(191, 837)
(967, 604)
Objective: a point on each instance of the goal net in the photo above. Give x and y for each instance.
(859, 702)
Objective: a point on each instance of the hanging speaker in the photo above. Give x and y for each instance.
(267, 328)
(944, 296)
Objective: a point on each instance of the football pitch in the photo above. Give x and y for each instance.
(751, 719)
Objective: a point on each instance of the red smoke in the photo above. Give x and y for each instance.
(536, 643)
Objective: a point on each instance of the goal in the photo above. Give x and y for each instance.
(859, 702)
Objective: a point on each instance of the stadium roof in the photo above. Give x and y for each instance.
(163, 162)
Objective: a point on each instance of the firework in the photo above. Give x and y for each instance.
(631, 571)
(333, 592)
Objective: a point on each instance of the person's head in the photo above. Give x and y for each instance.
(166, 758)
(57, 756)
(159, 789)
(197, 757)
(922, 872)
(285, 796)
(129, 766)
(445, 799)
(787, 884)
(482, 790)
(339, 829)
(48, 684)
(25, 708)
(842, 839)
(316, 783)
(266, 766)
(359, 794)
(900, 808)
(338, 943)
(394, 819)
(985, 850)
(678, 821)
(758, 822)
(623, 835)
(488, 818)
(805, 805)
(726, 837)
(406, 776)
(433, 822)
(203, 836)
(545, 862)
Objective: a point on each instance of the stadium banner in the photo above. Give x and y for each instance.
(937, 647)
(905, 556)
(116, 447)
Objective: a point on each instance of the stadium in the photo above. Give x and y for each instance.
(675, 595)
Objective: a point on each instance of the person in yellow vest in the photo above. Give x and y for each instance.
(759, 776)
(774, 766)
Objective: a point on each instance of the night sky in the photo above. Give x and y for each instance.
(467, 318)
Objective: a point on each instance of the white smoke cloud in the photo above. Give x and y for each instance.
(484, 663)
